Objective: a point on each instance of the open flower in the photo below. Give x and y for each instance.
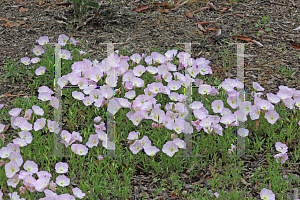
(62, 39)
(43, 40)
(40, 71)
(62, 181)
(282, 148)
(78, 193)
(61, 167)
(26, 61)
(266, 194)
(38, 50)
(11, 169)
(170, 148)
(136, 147)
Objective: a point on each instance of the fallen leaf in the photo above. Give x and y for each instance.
(141, 8)
(219, 32)
(212, 28)
(156, 4)
(202, 23)
(258, 43)
(23, 9)
(10, 23)
(173, 195)
(96, 15)
(178, 2)
(6, 127)
(189, 15)
(7, 94)
(257, 124)
(239, 15)
(295, 46)
(3, 19)
(163, 10)
(241, 38)
(224, 9)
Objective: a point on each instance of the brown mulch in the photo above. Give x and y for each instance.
(118, 23)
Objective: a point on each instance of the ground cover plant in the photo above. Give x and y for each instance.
(150, 128)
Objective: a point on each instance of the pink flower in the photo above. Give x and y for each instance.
(180, 143)
(282, 156)
(2, 126)
(11, 169)
(15, 111)
(25, 60)
(136, 58)
(216, 194)
(100, 157)
(79, 149)
(54, 102)
(43, 40)
(26, 116)
(62, 39)
(243, 132)
(38, 50)
(151, 150)
(133, 135)
(62, 181)
(53, 126)
(13, 182)
(31, 166)
(40, 71)
(41, 184)
(14, 195)
(44, 96)
(93, 141)
(170, 148)
(38, 110)
(73, 41)
(257, 87)
(155, 125)
(65, 54)
(78, 193)
(35, 60)
(61, 167)
(22, 190)
(108, 144)
(266, 194)
(97, 119)
(136, 147)
(139, 70)
(271, 116)
(39, 124)
(282, 148)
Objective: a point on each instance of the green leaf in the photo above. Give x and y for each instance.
(93, 4)
(71, 1)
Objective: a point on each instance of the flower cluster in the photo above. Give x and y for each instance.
(282, 148)
(86, 75)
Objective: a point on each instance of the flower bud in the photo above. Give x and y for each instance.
(173, 136)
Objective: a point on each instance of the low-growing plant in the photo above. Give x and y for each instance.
(216, 111)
